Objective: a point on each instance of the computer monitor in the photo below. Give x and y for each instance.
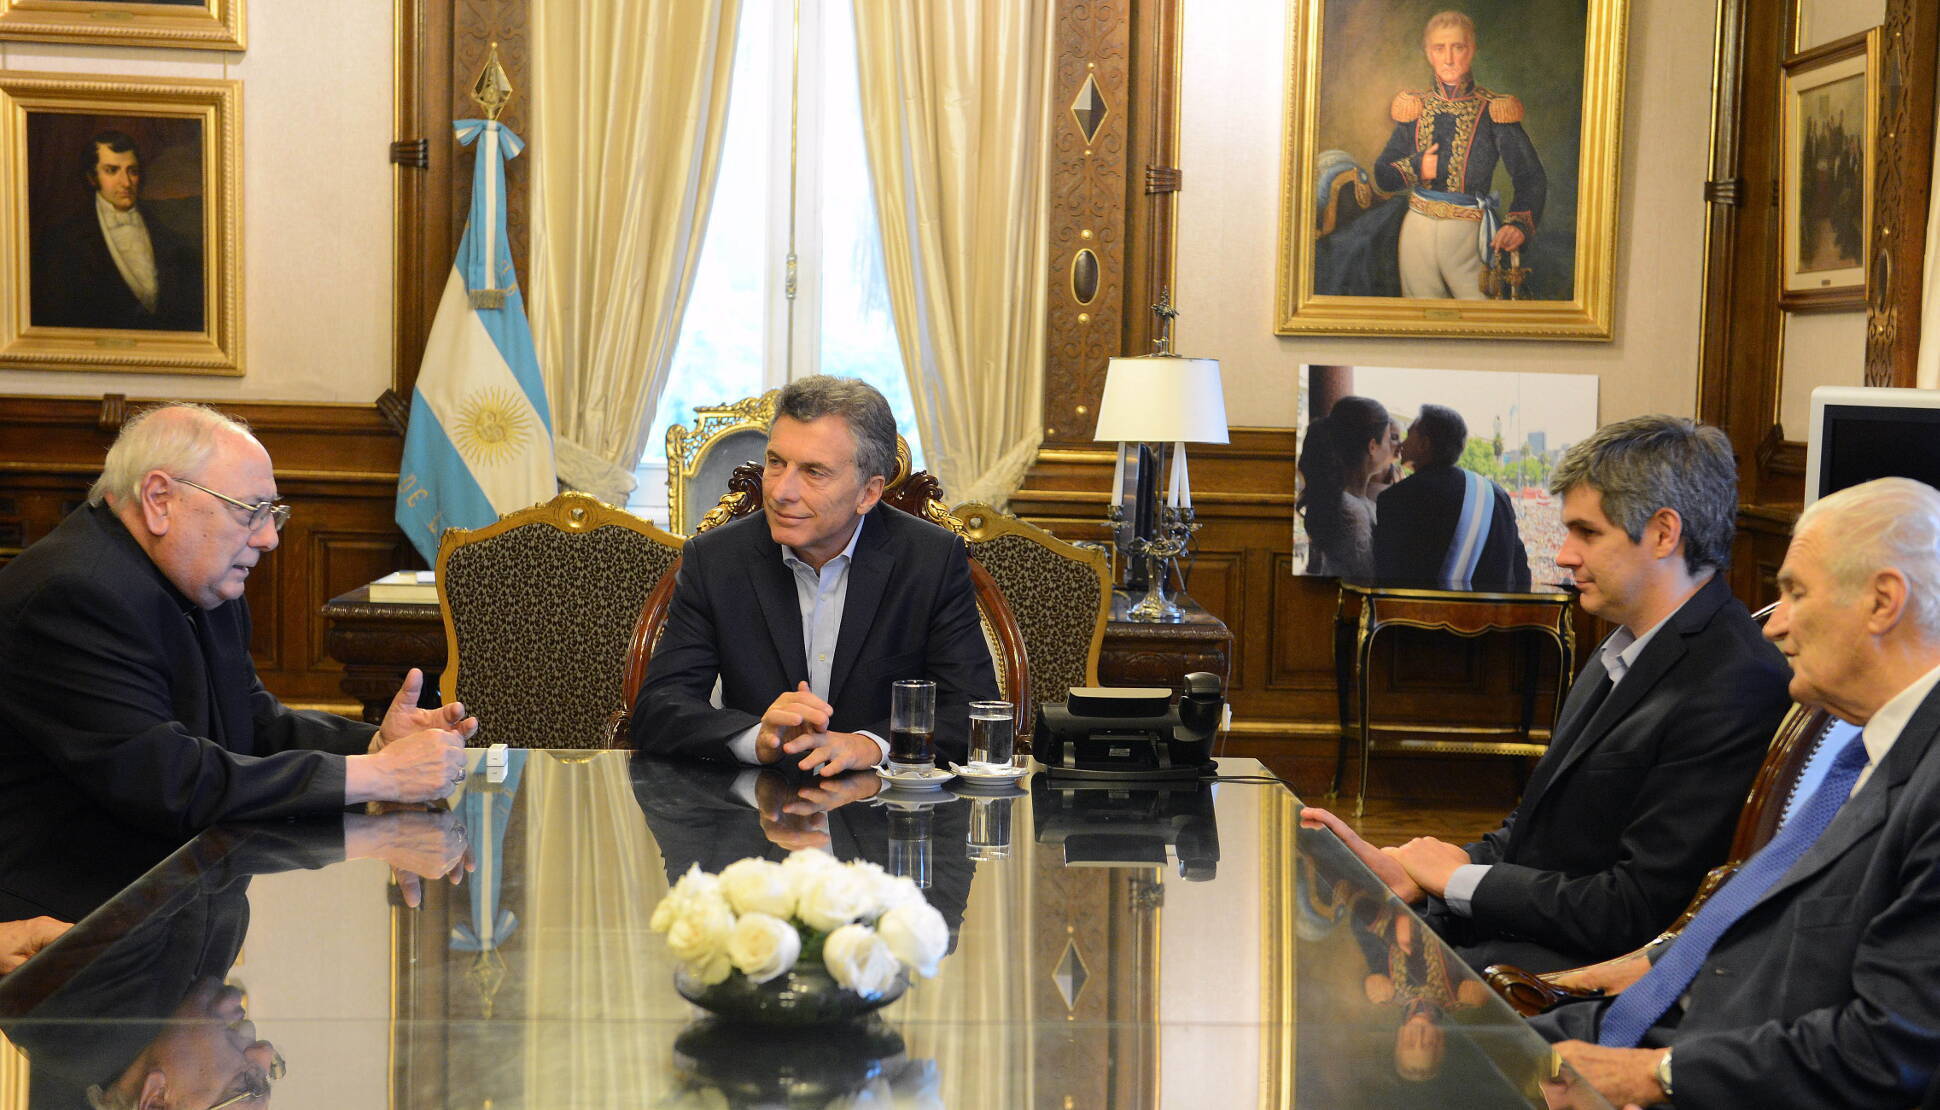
(1860, 433)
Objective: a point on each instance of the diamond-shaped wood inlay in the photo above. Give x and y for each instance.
(1090, 109)
(1070, 975)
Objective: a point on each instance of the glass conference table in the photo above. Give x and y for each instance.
(1183, 945)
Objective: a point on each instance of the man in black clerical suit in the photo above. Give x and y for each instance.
(807, 611)
(1444, 526)
(116, 264)
(130, 713)
(1818, 983)
(1658, 740)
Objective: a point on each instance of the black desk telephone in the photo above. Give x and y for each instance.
(1131, 733)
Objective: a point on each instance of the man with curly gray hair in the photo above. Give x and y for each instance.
(1658, 740)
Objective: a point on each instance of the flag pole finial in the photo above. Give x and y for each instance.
(493, 89)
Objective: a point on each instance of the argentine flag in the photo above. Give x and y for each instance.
(479, 444)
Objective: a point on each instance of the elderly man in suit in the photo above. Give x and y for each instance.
(1812, 977)
(1659, 738)
(131, 716)
(807, 611)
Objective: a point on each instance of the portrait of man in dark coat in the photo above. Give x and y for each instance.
(102, 255)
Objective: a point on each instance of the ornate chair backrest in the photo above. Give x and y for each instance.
(916, 492)
(538, 607)
(701, 458)
(1060, 594)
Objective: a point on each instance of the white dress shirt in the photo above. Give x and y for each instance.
(131, 248)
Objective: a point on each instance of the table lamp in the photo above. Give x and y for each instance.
(1157, 399)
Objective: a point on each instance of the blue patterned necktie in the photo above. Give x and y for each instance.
(1644, 1001)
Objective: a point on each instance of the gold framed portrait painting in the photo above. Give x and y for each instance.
(1451, 170)
(1831, 112)
(123, 244)
(195, 24)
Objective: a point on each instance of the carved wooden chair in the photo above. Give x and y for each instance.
(538, 609)
(916, 492)
(1060, 594)
(702, 458)
(1799, 752)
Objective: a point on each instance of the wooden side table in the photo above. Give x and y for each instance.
(1140, 653)
(1365, 609)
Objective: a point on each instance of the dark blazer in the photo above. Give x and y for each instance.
(1416, 523)
(76, 283)
(909, 613)
(1630, 807)
(1827, 991)
(130, 719)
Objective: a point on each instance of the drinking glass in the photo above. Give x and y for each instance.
(993, 730)
(912, 726)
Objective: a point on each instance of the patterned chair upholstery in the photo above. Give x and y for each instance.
(701, 459)
(538, 607)
(1059, 593)
(915, 492)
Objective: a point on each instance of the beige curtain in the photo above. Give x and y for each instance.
(956, 110)
(631, 104)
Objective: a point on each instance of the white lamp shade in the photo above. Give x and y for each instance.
(1162, 399)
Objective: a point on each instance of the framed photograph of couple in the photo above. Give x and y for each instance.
(124, 245)
(195, 24)
(1451, 170)
(1831, 111)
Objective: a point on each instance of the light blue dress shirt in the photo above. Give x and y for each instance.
(822, 595)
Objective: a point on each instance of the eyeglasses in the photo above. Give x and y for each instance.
(255, 1084)
(258, 513)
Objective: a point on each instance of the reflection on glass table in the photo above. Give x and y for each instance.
(1118, 946)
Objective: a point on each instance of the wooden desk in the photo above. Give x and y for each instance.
(378, 641)
(1365, 609)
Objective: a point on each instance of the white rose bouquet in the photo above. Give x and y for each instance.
(868, 928)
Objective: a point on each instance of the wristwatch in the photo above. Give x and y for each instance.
(1663, 1072)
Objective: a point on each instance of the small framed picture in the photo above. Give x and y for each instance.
(195, 24)
(125, 248)
(1831, 109)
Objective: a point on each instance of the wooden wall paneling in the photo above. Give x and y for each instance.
(1089, 182)
(424, 152)
(1902, 184)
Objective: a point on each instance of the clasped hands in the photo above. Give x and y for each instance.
(1413, 870)
(795, 814)
(798, 724)
(418, 844)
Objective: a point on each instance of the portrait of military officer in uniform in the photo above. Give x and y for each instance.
(115, 219)
(1447, 144)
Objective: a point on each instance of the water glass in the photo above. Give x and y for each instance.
(993, 731)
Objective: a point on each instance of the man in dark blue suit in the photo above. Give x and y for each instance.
(807, 611)
(1444, 526)
(1659, 738)
(1812, 977)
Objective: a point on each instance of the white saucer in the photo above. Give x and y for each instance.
(921, 780)
(986, 772)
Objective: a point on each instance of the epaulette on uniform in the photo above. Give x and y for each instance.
(1504, 108)
(1406, 107)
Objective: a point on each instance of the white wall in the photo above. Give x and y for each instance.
(1232, 106)
(316, 202)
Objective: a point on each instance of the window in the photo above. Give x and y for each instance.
(790, 280)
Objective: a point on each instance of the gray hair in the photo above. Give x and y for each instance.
(1887, 522)
(1649, 463)
(1448, 19)
(859, 404)
(159, 439)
